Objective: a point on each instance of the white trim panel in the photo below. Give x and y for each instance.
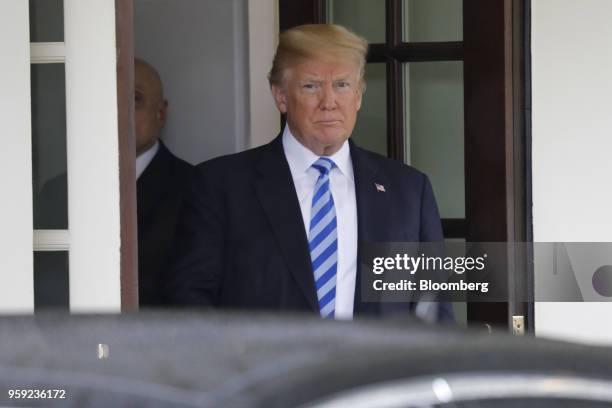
(16, 256)
(93, 156)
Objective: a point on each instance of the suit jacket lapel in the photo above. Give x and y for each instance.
(276, 193)
(371, 204)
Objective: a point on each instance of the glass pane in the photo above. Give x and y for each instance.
(371, 129)
(49, 146)
(434, 129)
(365, 17)
(46, 20)
(433, 20)
(51, 287)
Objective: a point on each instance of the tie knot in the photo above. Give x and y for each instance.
(324, 165)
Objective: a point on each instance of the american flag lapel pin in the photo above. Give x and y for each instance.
(380, 188)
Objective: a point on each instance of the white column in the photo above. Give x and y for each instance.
(16, 256)
(93, 156)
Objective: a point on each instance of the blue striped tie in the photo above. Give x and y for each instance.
(323, 239)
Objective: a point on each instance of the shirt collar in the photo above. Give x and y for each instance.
(144, 159)
(300, 158)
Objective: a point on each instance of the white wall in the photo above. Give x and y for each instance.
(263, 38)
(201, 49)
(572, 141)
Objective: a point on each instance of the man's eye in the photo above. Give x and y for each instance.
(344, 84)
(310, 87)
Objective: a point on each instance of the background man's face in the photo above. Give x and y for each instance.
(321, 100)
(150, 107)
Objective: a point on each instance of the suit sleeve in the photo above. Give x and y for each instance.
(197, 252)
(431, 227)
(431, 231)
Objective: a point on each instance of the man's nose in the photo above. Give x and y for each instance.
(328, 97)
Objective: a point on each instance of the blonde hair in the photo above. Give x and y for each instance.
(317, 41)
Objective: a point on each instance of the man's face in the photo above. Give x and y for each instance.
(321, 100)
(150, 108)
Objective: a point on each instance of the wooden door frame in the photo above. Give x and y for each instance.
(497, 139)
(497, 142)
(124, 26)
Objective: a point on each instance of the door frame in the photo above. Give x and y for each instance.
(124, 26)
(497, 138)
(498, 142)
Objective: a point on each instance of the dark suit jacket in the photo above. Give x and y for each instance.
(160, 191)
(243, 242)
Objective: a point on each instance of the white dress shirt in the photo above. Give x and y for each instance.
(143, 160)
(342, 185)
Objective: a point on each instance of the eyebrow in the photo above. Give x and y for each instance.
(311, 79)
(314, 79)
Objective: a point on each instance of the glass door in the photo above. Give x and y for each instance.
(413, 105)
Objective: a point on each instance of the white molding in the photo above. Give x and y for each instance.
(93, 156)
(16, 257)
(47, 52)
(51, 240)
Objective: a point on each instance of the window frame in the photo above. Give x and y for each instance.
(101, 238)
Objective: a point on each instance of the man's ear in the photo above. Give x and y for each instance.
(280, 98)
(162, 112)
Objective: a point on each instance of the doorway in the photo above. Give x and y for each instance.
(448, 92)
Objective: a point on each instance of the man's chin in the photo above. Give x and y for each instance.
(331, 135)
(330, 140)
(331, 143)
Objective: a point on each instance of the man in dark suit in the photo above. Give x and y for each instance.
(280, 227)
(162, 178)
(161, 181)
